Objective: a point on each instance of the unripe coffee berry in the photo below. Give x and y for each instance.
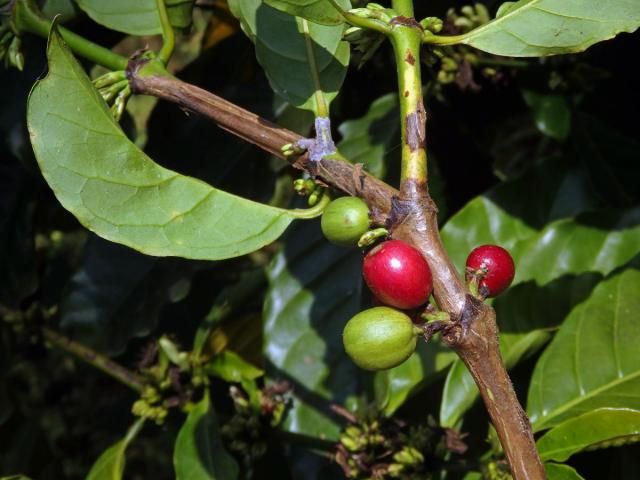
(345, 220)
(380, 338)
(494, 268)
(398, 274)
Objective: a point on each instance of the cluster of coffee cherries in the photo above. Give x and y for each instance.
(400, 279)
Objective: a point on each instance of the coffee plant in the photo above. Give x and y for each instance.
(225, 255)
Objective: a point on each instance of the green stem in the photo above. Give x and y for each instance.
(403, 7)
(27, 19)
(168, 36)
(322, 108)
(93, 358)
(312, 212)
(443, 40)
(357, 21)
(406, 46)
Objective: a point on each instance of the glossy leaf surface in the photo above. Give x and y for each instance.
(314, 289)
(535, 28)
(139, 17)
(557, 471)
(118, 192)
(199, 453)
(393, 387)
(596, 429)
(283, 52)
(597, 242)
(592, 362)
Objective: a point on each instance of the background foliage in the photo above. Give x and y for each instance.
(537, 155)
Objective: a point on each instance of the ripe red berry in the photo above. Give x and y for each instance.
(493, 266)
(398, 274)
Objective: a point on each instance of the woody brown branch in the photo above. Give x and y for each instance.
(475, 333)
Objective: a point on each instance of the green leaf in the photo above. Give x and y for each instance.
(314, 289)
(368, 139)
(137, 18)
(595, 242)
(535, 28)
(592, 362)
(551, 113)
(15, 477)
(282, 51)
(199, 453)
(500, 217)
(231, 367)
(482, 221)
(118, 192)
(596, 429)
(110, 465)
(556, 471)
(393, 387)
(318, 11)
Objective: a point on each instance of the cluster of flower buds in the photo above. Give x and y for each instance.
(307, 187)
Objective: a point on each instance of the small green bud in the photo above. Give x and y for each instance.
(313, 199)
(449, 64)
(395, 470)
(408, 456)
(432, 24)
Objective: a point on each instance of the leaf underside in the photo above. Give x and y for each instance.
(534, 28)
(118, 192)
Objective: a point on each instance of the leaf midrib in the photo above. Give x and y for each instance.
(576, 401)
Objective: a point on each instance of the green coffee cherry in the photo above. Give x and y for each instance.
(345, 220)
(380, 338)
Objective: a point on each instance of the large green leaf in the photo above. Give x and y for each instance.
(110, 465)
(596, 429)
(597, 242)
(501, 217)
(199, 453)
(139, 17)
(318, 11)
(314, 288)
(592, 362)
(118, 192)
(556, 471)
(482, 221)
(368, 139)
(281, 49)
(535, 28)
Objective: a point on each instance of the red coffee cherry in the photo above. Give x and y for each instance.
(398, 275)
(493, 267)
